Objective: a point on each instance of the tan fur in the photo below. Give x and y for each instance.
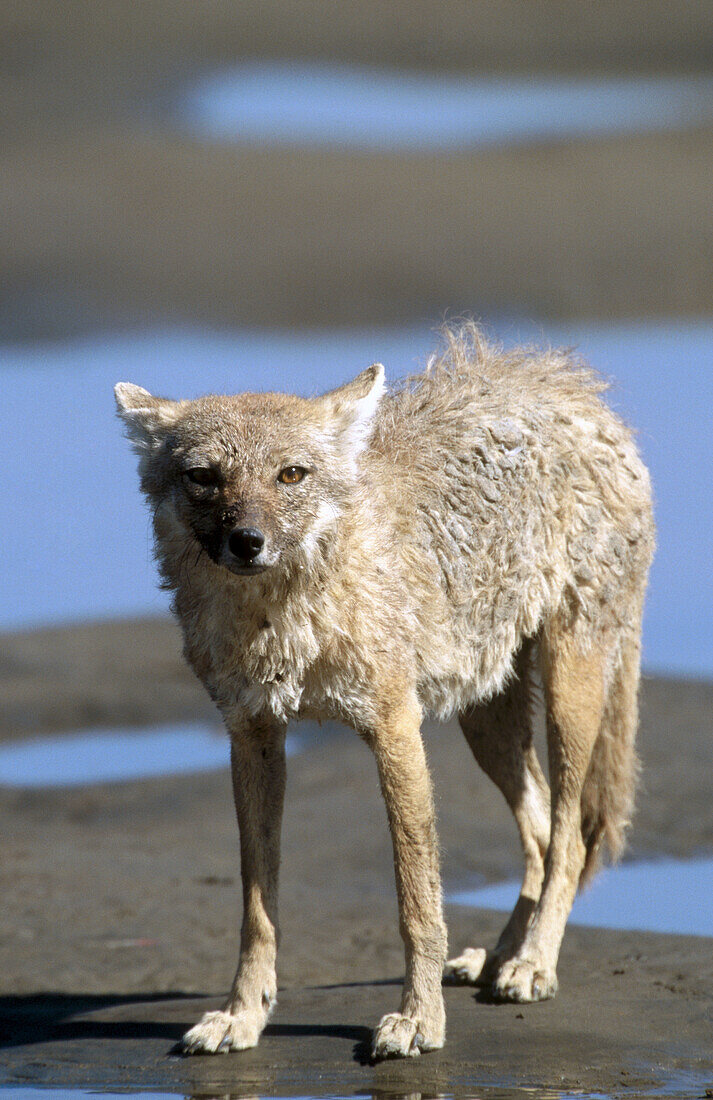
(431, 542)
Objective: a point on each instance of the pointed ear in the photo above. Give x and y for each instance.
(144, 415)
(352, 407)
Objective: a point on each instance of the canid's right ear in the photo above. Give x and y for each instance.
(143, 414)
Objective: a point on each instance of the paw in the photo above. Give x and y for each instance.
(523, 981)
(399, 1036)
(219, 1032)
(468, 968)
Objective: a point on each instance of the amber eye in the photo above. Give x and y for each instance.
(201, 475)
(291, 475)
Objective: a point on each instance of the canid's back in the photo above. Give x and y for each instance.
(476, 398)
(521, 490)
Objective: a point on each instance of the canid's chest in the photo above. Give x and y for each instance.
(267, 659)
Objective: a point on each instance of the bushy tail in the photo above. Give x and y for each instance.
(610, 783)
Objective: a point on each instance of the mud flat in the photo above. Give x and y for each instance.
(121, 906)
(125, 226)
(114, 215)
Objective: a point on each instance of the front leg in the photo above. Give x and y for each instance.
(420, 1024)
(258, 768)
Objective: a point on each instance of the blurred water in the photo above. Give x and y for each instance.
(115, 755)
(320, 103)
(667, 896)
(77, 539)
(104, 756)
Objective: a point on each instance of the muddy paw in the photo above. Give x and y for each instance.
(219, 1032)
(468, 968)
(523, 981)
(399, 1036)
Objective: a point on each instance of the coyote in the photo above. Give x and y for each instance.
(376, 556)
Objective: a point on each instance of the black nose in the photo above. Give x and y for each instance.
(245, 543)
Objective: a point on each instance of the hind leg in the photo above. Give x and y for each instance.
(574, 680)
(500, 736)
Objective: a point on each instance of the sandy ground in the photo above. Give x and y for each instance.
(121, 906)
(112, 215)
(127, 226)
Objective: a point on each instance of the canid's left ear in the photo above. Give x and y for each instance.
(352, 407)
(143, 414)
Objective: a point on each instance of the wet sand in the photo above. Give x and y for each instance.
(121, 906)
(127, 227)
(113, 216)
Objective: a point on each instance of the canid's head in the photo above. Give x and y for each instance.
(255, 480)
